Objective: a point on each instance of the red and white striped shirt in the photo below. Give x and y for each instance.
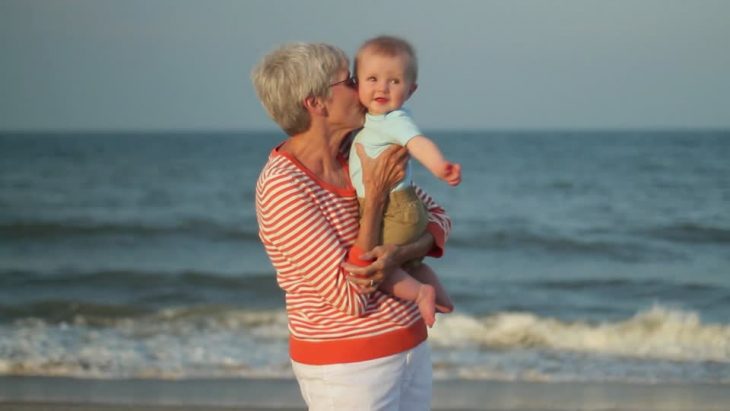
(307, 227)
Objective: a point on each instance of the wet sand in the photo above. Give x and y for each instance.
(68, 394)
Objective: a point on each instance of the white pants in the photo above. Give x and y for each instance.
(400, 382)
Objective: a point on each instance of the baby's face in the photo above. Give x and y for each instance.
(382, 82)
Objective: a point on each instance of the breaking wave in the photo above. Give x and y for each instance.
(215, 341)
(657, 333)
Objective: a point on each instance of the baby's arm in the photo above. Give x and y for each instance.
(427, 153)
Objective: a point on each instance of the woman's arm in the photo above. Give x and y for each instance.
(302, 244)
(439, 223)
(385, 258)
(379, 176)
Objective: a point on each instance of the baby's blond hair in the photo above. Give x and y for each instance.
(391, 46)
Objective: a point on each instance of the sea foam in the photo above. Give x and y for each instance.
(225, 342)
(656, 333)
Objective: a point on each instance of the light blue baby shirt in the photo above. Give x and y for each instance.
(377, 134)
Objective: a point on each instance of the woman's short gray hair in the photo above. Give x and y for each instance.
(284, 78)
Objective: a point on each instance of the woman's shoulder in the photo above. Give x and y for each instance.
(277, 172)
(277, 165)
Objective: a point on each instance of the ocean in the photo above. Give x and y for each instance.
(574, 256)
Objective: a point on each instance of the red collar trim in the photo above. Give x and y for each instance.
(348, 191)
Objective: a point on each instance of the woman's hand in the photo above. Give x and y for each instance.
(385, 258)
(381, 174)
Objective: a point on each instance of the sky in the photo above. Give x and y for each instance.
(184, 65)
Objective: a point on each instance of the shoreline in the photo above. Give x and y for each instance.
(71, 394)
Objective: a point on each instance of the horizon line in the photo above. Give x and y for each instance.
(428, 130)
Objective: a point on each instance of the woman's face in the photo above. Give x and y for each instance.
(343, 105)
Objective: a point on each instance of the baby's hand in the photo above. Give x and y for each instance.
(451, 173)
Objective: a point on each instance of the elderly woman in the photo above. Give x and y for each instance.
(352, 346)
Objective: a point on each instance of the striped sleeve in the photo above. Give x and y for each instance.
(439, 223)
(302, 243)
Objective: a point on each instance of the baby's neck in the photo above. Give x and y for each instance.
(387, 112)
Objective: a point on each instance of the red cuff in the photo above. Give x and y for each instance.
(439, 239)
(353, 257)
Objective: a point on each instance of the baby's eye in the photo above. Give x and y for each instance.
(394, 81)
(371, 78)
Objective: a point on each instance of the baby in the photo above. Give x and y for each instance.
(386, 71)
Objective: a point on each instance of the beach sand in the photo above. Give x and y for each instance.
(67, 394)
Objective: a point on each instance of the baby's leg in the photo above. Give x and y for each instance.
(426, 275)
(405, 287)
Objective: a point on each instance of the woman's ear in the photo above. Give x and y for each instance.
(310, 103)
(314, 105)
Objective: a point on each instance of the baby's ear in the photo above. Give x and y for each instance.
(414, 86)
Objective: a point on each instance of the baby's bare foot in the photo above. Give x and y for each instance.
(444, 309)
(426, 301)
(443, 302)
